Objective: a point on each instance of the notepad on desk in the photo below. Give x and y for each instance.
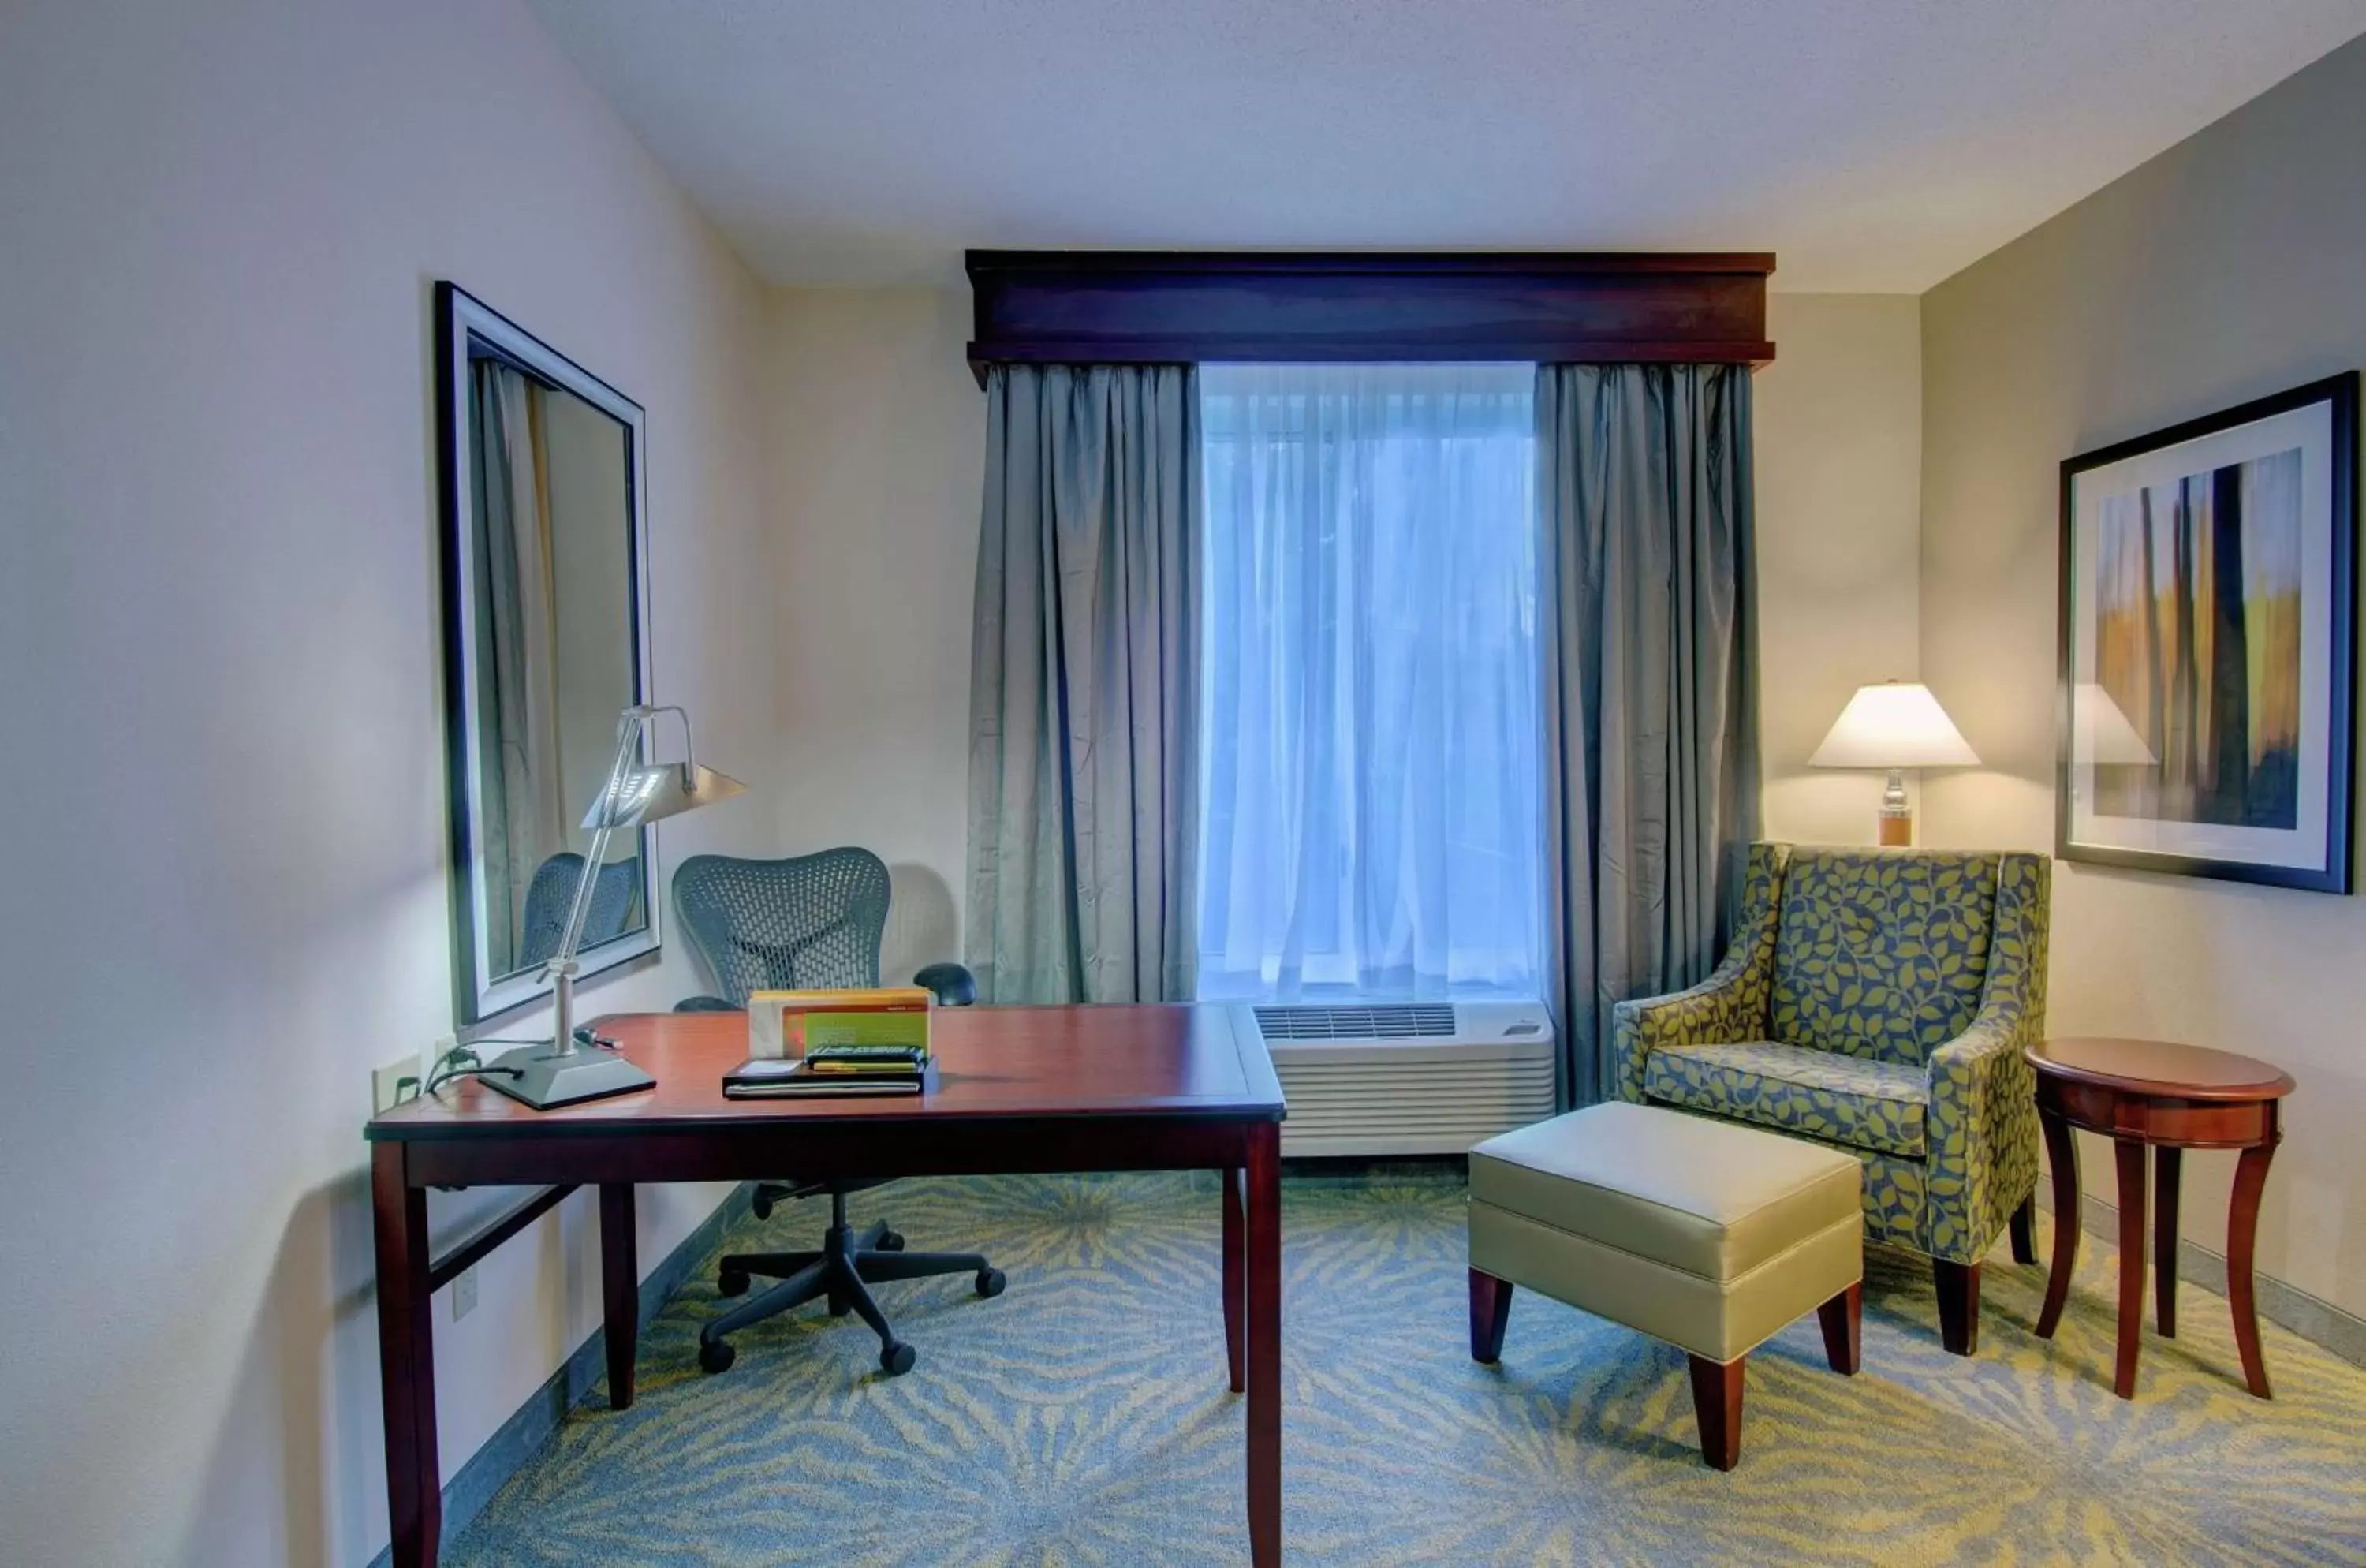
(771, 1078)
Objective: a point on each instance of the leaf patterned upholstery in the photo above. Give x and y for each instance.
(1834, 1098)
(1882, 954)
(1854, 975)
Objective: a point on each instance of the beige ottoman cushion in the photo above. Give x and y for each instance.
(1705, 1233)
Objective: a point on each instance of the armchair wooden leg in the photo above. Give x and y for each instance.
(1959, 1304)
(1491, 1307)
(2024, 1230)
(1717, 1406)
(1842, 1319)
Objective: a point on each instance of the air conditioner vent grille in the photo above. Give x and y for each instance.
(1408, 1020)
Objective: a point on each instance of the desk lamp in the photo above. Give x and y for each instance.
(1896, 725)
(563, 1069)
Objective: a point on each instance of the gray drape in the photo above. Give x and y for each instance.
(1650, 697)
(1084, 686)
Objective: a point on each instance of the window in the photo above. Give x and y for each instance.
(1371, 760)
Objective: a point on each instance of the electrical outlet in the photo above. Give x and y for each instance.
(464, 1294)
(384, 1095)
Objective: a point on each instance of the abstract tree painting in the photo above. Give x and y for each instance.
(2197, 642)
(2207, 611)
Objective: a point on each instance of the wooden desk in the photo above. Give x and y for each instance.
(1018, 1090)
(2150, 1093)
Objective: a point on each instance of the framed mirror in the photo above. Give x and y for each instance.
(545, 593)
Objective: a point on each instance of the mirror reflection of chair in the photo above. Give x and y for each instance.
(798, 924)
(553, 890)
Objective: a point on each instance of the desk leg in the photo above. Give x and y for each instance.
(620, 1286)
(2062, 1153)
(1265, 1345)
(406, 1361)
(2168, 1167)
(2131, 1155)
(1234, 1286)
(2242, 1236)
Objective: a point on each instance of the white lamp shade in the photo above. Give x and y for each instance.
(2101, 733)
(1899, 725)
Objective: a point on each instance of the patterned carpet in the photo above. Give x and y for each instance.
(1083, 1418)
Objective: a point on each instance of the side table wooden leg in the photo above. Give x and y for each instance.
(406, 1361)
(2167, 1165)
(1235, 1283)
(2062, 1153)
(2131, 1155)
(1264, 1348)
(2242, 1235)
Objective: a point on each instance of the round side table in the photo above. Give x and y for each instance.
(2151, 1094)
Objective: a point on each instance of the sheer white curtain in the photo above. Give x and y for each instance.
(1372, 775)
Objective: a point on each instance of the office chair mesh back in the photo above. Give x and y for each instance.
(766, 925)
(551, 895)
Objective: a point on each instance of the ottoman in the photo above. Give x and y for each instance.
(1709, 1235)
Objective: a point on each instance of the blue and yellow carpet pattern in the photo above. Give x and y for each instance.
(1082, 1418)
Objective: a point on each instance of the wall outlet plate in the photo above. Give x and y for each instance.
(384, 1095)
(464, 1294)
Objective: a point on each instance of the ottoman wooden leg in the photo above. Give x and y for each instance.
(1717, 1406)
(1491, 1305)
(1842, 1319)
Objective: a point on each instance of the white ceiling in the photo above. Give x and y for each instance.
(1875, 144)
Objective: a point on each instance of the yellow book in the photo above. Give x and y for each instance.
(786, 1023)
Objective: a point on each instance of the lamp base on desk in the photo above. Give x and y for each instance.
(543, 1076)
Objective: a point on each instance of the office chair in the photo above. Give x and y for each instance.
(812, 921)
(550, 898)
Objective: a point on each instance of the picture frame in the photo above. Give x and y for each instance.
(2204, 715)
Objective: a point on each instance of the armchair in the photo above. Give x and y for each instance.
(1877, 1001)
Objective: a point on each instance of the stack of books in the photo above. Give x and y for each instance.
(830, 1070)
(796, 1023)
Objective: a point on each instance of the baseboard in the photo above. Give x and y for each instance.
(531, 1425)
(2319, 1322)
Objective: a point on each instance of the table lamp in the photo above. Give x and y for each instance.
(562, 1069)
(1896, 725)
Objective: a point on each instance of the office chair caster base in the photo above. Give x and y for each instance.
(896, 1359)
(990, 1282)
(889, 1241)
(731, 1282)
(715, 1355)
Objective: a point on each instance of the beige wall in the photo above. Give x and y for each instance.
(1840, 439)
(876, 456)
(219, 634)
(2226, 268)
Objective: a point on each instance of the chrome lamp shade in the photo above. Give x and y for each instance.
(564, 1069)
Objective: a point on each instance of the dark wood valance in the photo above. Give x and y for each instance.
(1564, 307)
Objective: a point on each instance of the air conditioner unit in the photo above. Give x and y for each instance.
(1412, 1078)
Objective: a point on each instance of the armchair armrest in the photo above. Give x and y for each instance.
(1730, 1005)
(1983, 1114)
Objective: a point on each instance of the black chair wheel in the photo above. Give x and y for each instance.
(990, 1282)
(890, 1241)
(896, 1359)
(731, 1282)
(760, 1206)
(715, 1355)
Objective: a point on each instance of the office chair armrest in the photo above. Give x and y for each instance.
(955, 986)
(703, 1004)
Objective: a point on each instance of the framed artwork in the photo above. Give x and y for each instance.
(2208, 613)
